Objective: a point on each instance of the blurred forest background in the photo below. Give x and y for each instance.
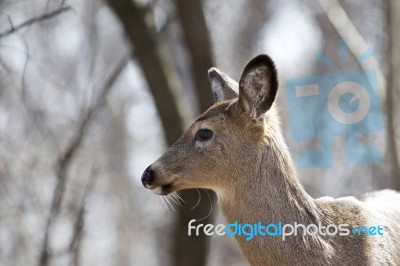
(92, 92)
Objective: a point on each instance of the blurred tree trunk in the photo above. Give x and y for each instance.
(393, 90)
(255, 15)
(157, 71)
(154, 64)
(193, 250)
(120, 186)
(200, 52)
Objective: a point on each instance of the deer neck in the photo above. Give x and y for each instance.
(270, 193)
(270, 190)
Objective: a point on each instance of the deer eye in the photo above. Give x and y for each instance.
(203, 135)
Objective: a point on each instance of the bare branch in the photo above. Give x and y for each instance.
(74, 246)
(33, 20)
(68, 155)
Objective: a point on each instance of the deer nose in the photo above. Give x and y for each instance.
(147, 176)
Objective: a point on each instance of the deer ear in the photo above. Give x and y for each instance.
(223, 87)
(258, 86)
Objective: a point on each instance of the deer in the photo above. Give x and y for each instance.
(236, 148)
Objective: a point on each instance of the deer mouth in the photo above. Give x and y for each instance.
(163, 189)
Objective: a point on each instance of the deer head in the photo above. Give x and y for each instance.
(226, 142)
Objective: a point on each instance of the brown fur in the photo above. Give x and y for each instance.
(248, 164)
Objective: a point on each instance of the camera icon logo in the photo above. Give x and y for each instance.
(339, 104)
